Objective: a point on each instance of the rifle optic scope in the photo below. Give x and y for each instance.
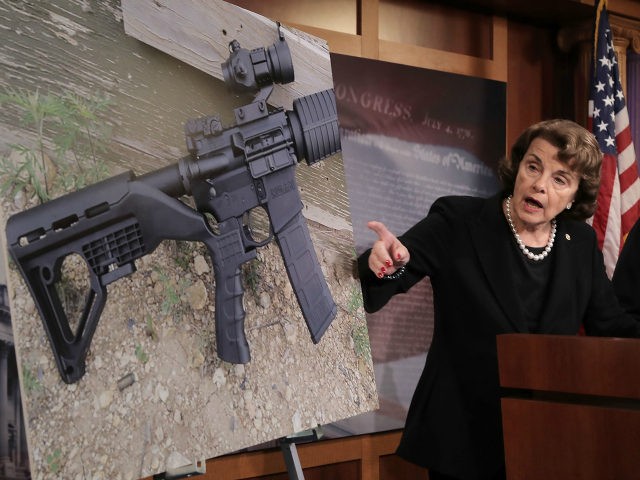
(247, 70)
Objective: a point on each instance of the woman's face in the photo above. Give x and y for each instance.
(544, 186)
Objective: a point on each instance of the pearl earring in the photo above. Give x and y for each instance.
(569, 205)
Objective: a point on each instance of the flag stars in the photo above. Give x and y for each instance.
(596, 112)
(605, 62)
(608, 100)
(600, 87)
(610, 142)
(620, 95)
(603, 126)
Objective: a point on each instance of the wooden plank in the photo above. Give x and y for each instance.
(64, 46)
(370, 28)
(198, 33)
(494, 68)
(628, 8)
(499, 50)
(339, 42)
(438, 60)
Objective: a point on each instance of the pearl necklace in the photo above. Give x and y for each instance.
(528, 253)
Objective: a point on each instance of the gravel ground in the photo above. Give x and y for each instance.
(185, 404)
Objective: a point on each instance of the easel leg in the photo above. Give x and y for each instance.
(292, 461)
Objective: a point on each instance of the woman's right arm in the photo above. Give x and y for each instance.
(380, 275)
(394, 264)
(388, 255)
(384, 269)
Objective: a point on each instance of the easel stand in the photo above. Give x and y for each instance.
(290, 452)
(287, 446)
(291, 460)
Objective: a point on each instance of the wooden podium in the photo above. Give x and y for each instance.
(570, 407)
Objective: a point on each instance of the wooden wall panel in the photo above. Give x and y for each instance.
(479, 51)
(530, 88)
(435, 26)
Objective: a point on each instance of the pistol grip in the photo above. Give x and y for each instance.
(306, 277)
(227, 251)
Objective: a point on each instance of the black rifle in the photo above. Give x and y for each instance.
(228, 173)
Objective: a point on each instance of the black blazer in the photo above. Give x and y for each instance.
(626, 277)
(454, 423)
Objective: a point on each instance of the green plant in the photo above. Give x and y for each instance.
(83, 136)
(360, 333)
(171, 295)
(171, 292)
(355, 302)
(360, 336)
(251, 275)
(53, 461)
(68, 121)
(30, 381)
(31, 168)
(183, 254)
(141, 355)
(150, 329)
(171, 298)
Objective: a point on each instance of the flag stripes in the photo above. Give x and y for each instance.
(619, 194)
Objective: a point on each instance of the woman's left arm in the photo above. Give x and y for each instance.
(626, 277)
(613, 312)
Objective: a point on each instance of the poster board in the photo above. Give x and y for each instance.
(155, 395)
(409, 136)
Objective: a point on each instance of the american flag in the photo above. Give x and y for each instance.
(619, 195)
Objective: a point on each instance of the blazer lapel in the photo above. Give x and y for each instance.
(492, 248)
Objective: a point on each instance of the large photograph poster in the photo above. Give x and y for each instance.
(409, 136)
(151, 393)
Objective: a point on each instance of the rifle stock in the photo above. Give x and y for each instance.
(125, 221)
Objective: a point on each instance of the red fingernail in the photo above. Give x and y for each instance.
(398, 256)
(388, 262)
(383, 270)
(380, 275)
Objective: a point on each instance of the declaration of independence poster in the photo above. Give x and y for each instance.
(409, 136)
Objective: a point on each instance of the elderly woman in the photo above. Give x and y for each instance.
(521, 261)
